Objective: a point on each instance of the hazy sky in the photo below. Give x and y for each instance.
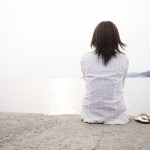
(46, 38)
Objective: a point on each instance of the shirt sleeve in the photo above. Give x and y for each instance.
(82, 64)
(126, 70)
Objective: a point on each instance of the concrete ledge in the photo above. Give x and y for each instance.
(19, 131)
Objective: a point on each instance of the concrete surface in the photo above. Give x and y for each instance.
(19, 131)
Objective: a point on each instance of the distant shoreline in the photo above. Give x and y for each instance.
(129, 74)
(140, 74)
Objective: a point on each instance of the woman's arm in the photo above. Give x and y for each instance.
(83, 65)
(126, 71)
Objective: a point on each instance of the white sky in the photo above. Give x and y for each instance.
(46, 38)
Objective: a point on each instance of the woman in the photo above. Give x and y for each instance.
(104, 71)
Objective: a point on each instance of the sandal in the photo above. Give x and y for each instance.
(142, 118)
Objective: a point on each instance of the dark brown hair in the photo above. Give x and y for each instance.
(106, 41)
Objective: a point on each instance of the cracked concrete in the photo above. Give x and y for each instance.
(19, 131)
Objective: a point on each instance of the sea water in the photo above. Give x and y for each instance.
(63, 95)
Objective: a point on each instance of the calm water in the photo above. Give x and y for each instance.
(63, 95)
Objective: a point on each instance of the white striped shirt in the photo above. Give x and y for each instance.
(104, 85)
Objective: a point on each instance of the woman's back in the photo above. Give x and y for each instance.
(104, 71)
(104, 96)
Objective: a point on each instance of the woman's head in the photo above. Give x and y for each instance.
(106, 40)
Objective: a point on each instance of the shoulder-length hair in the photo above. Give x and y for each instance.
(106, 41)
